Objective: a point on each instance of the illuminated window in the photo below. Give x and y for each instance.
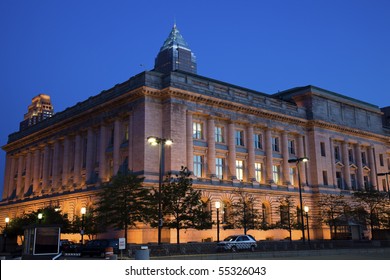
(276, 173)
(198, 165)
(292, 175)
(197, 130)
(219, 134)
(219, 168)
(258, 170)
(239, 170)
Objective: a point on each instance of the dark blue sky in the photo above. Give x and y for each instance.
(75, 49)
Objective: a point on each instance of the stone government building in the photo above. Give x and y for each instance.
(229, 136)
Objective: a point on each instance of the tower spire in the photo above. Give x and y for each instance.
(175, 54)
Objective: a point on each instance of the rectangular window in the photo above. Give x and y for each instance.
(275, 173)
(339, 180)
(198, 165)
(258, 140)
(381, 161)
(384, 185)
(337, 153)
(366, 183)
(353, 181)
(322, 146)
(350, 156)
(292, 175)
(258, 171)
(239, 170)
(219, 168)
(291, 147)
(325, 177)
(275, 144)
(197, 130)
(239, 137)
(219, 134)
(364, 159)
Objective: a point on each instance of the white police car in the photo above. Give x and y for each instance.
(237, 242)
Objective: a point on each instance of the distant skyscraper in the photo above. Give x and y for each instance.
(175, 54)
(40, 109)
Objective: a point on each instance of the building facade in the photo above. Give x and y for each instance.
(229, 137)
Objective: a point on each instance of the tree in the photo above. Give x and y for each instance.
(372, 208)
(122, 202)
(333, 211)
(92, 226)
(243, 214)
(50, 216)
(288, 219)
(182, 207)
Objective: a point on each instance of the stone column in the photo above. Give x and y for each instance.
(36, 179)
(46, 167)
(89, 165)
(268, 153)
(56, 165)
(359, 163)
(65, 162)
(301, 154)
(232, 152)
(102, 153)
(11, 182)
(130, 144)
(7, 177)
(27, 178)
(371, 160)
(347, 171)
(286, 156)
(251, 154)
(333, 161)
(190, 143)
(77, 160)
(211, 146)
(117, 143)
(19, 187)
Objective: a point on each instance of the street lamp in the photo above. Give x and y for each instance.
(297, 161)
(5, 233)
(40, 217)
(154, 141)
(306, 208)
(82, 211)
(387, 180)
(217, 206)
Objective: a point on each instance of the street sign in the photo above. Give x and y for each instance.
(122, 243)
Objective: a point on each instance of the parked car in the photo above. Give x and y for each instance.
(98, 247)
(237, 242)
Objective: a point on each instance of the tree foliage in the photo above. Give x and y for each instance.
(182, 207)
(289, 219)
(242, 213)
(122, 202)
(335, 211)
(91, 223)
(50, 216)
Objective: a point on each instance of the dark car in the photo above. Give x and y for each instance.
(237, 242)
(98, 247)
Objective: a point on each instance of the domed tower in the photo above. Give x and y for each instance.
(175, 54)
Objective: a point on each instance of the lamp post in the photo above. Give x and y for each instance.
(387, 181)
(306, 208)
(217, 206)
(5, 233)
(297, 161)
(82, 211)
(154, 141)
(40, 217)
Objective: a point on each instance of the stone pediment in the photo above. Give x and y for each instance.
(365, 167)
(339, 164)
(352, 165)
